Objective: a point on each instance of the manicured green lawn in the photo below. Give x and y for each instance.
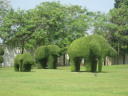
(61, 82)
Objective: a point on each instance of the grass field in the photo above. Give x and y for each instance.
(61, 82)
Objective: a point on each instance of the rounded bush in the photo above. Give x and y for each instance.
(23, 62)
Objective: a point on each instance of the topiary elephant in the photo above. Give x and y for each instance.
(46, 56)
(23, 62)
(93, 49)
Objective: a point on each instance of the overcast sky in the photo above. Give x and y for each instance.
(92, 5)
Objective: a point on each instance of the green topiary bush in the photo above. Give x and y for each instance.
(93, 49)
(41, 57)
(23, 62)
(54, 52)
(46, 56)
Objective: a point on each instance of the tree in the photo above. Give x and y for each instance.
(17, 28)
(61, 24)
(118, 3)
(119, 36)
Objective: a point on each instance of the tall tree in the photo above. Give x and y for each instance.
(119, 36)
(17, 28)
(118, 3)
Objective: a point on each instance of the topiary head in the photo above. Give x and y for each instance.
(111, 52)
(54, 50)
(41, 52)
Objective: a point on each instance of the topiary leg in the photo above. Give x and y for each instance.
(77, 63)
(88, 65)
(50, 62)
(72, 63)
(100, 63)
(93, 65)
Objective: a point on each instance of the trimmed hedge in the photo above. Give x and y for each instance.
(93, 49)
(23, 62)
(46, 56)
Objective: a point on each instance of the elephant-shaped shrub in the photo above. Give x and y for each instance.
(23, 62)
(93, 49)
(46, 56)
(1, 56)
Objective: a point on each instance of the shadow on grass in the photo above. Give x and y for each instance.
(92, 72)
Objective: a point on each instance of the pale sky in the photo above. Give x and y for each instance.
(91, 5)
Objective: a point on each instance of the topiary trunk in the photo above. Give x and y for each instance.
(52, 62)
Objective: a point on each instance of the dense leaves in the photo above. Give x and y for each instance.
(93, 49)
(23, 62)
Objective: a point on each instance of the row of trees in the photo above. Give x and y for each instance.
(114, 27)
(54, 23)
(48, 23)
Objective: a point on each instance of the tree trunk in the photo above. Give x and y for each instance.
(64, 60)
(124, 58)
(118, 53)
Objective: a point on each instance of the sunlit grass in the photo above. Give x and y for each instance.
(113, 81)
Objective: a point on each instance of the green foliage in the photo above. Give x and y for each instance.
(17, 62)
(93, 48)
(47, 56)
(54, 50)
(119, 3)
(1, 51)
(48, 23)
(23, 62)
(1, 55)
(1, 59)
(41, 55)
(52, 62)
(118, 36)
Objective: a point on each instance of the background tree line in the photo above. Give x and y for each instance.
(54, 23)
